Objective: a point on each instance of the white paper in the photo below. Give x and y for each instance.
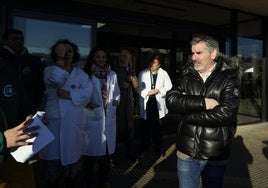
(44, 137)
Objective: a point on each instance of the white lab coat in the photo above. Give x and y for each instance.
(100, 131)
(163, 83)
(65, 116)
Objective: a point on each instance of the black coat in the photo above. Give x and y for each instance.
(21, 89)
(206, 134)
(12, 93)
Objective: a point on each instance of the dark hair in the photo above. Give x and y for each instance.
(76, 56)
(126, 49)
(155, 57)
(90, 58)
(7, 33)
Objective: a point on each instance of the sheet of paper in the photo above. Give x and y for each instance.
(23, 153)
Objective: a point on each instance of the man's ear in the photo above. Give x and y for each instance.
(213, 54)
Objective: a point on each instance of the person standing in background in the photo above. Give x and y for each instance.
(207, 100)
(154, 82)
(99, 134)
(30, 69)
(16, 98)
(68, 91)
(128, 83)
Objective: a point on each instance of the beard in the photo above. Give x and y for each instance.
(201, 67)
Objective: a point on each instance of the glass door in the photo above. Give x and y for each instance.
(250, 53)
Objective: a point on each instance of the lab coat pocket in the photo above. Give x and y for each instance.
(93, 114)
(99, 113)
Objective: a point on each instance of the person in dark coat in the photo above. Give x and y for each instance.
(30, 68)
(128, 83)
(21, 93)
(207, 99)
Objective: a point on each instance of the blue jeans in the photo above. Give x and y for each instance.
(190, 170)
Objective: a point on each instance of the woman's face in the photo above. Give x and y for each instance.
(100, 58)
(155, 65)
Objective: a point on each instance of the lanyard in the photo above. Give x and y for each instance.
(152, 79)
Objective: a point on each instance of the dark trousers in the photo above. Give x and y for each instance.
(124, 134)
(124, 124)
(96, 170)
(151, 128)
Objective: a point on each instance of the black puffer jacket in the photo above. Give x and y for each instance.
(206, 134)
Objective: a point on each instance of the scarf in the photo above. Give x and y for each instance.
(101, 73)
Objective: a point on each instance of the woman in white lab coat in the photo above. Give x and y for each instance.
(99, 136)
(154, 82)
(68, 91)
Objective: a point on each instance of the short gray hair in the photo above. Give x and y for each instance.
(210, 42)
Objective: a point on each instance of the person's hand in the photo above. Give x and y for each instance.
(210, 103)
(60, 50)
(134, 81)
(18, 135)
(115, 103)
(92, 105)
(153, 92)
(60, 53)
(61, 93)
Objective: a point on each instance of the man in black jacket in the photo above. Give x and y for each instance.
(21, 92)
(28, 67)
(207, 98)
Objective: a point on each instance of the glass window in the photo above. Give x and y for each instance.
(250, 52)
(182, 58)
(248, 47)
(40, 35)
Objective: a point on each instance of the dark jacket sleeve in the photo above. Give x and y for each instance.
(2, 146)
(2, 142)
(178, 102)
(225, 112)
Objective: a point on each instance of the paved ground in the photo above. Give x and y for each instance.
(248, 166)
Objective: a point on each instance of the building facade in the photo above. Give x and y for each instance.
(148, 27)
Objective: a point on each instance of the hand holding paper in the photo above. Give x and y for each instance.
(44, 137)
(18, 135)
